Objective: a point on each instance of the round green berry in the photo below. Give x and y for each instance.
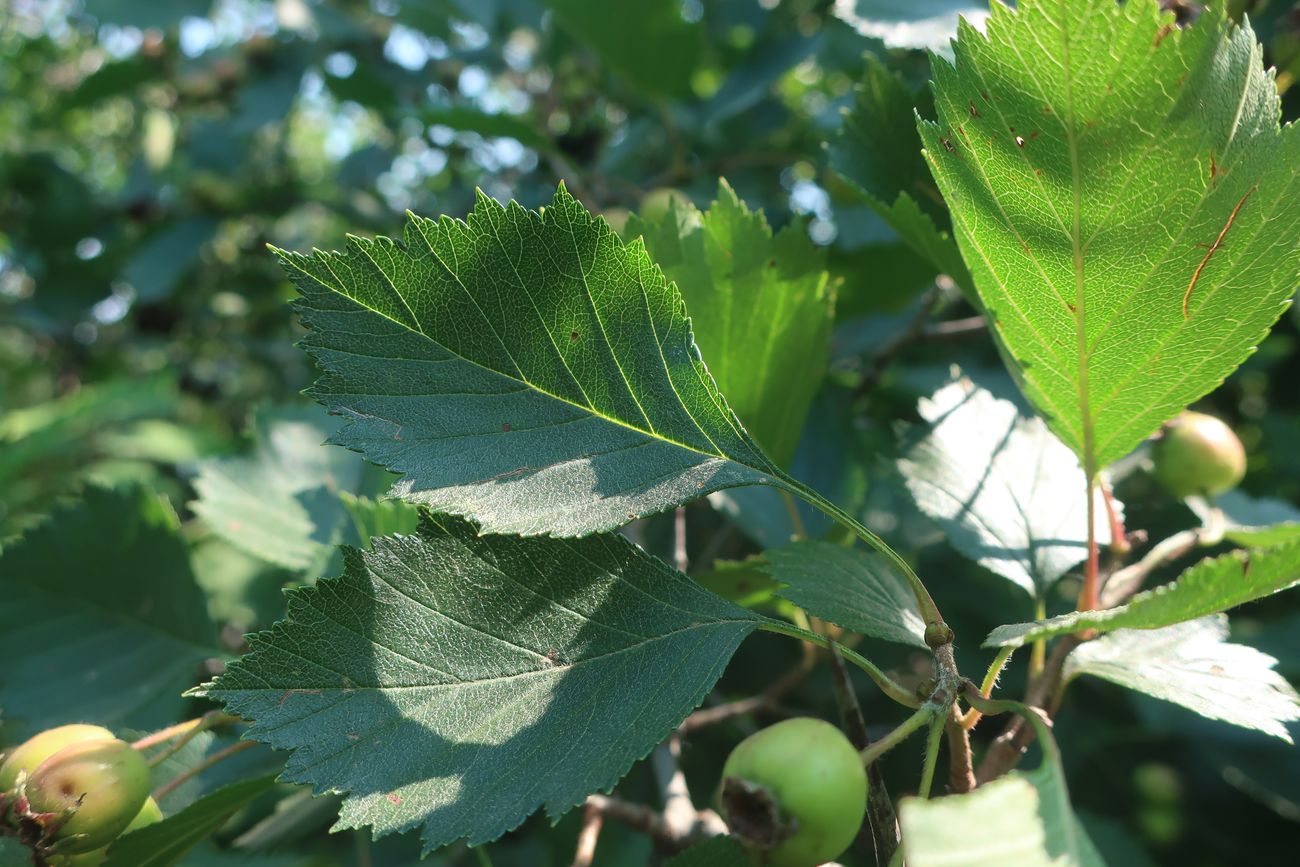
(1198, 454)
(26, 756)
(90, 791)
(795, 793)
(149, 814)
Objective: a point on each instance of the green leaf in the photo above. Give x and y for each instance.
(102, 619)
(372, 518)
(855, 589)
(1192, 664)
(649, 43)
(875, 152)
(14, 854)
(1006, 492)
(714, 852)
(528, 370)
(1024, 818)
(458, 682)
(281, 504)
(1093, 155)
(1253, 522)
(761, 309)
(1213, 585)
(165, 843)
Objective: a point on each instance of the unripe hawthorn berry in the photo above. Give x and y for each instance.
(27, 755)
(86, 794)
(1198, 454)
(795, 793)
(149, 814)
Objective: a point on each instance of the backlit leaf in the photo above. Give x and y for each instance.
(1126, 202)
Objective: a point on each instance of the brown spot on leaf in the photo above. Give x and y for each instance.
(1161, 35)
(505, 427)
(974, 112)
(394, 798)
(574, 335)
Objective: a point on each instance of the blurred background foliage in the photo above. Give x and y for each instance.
(150, 150)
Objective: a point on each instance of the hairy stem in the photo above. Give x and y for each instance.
(961, 769)
(898, 735)
(986, 688)
(189, 728)
(937, 726)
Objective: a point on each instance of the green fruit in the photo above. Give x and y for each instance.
(37, 749)
(655, 204)
(795, 793)
(1197, 454)
(93, 790)
(148, 815)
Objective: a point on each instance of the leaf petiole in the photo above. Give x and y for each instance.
(888, 685)
(929, 611)
(901, 733)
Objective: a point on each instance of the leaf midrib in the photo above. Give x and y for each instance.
(592, 411)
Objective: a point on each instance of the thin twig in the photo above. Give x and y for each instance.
(882, 822)
(766, 700)
(955, 328)
(961, 771)
(1010, 745)
(1129, 580)
(211, 719)
(680, 815)
(880, 362)
(592, 821)
(679, 539)
(219, 756)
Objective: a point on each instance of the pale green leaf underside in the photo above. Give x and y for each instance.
(1192, 664)
(529, 370)
(458, 682)
(1213, 585)
(100, 616)
(1252, 522)
(761, 309)
(281, 503)
(1024, 819)
(1007, 493)
(167, 842)
(1091, 155)
(856, 589)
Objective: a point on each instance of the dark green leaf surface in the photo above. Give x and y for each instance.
(1006, 492)
(458, 682)
(856, 589)
(714, 852)
(281, 504)
(761, 309)
(649, 43)
(164, 844)
(101, 617)
(1213, 585)
(1193, 664)
(1093, 155)
(875, 152)
(528, 370)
